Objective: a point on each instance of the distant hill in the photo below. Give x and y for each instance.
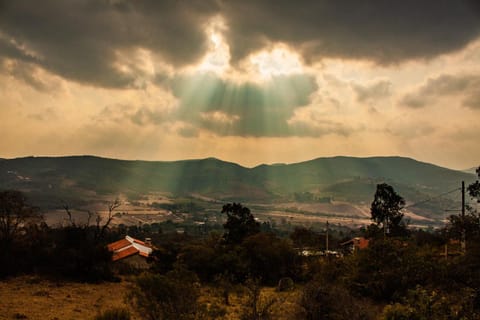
(471, 170)
(79, 179)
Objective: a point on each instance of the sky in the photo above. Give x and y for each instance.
(246, 81)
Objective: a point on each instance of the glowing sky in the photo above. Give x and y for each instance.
(244, 81)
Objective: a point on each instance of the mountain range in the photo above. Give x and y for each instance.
(50, 181)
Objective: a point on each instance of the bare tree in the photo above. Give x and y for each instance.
(14, 213)
(100, 229)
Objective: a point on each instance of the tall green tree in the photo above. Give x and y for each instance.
(386, 209)
(474, 188)
(240, 223)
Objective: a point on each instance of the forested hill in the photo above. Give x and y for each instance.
(347, 178)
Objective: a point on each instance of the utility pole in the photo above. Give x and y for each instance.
(464, 240)
(326, 239)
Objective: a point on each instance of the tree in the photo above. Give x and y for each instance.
(240, 223)
(14, 213)
(386, 209)
(303, 238)
(270, 258)
(458, 225)
(474, 188)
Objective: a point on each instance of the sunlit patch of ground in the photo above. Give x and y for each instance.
(30, 297)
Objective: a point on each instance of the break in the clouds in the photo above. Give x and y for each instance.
(466, 87)
(241, 108)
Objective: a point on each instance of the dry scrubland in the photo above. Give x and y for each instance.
(30, 297)
(35, 298)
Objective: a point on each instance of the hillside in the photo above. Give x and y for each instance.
(77, 180)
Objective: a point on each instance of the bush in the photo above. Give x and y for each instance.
(387, 269)
(422, 303)
(270, 258)
(170, 296)
(325, 301)
(285, 284)
(257, 306)
(114, 314)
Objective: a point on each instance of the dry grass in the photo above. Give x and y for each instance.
(285, 305)
(35, 298)
(30, 297)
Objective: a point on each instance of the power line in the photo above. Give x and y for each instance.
(431, 198)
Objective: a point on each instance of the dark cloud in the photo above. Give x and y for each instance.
(79, 39)
(378, 30)
(444, 86)
(378, 90)
(242, 109)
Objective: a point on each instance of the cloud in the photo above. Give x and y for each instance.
(80, 40)
(139, 115)
(377, 90)
(29, 74)
(229, 108)
(318, 120)
(45, 115)
(145, 115)
(465, 85)
(473, 100)
(385, 32)
(95, 42)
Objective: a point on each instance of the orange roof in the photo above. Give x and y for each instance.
(140, 242)
(358, 242)
(124, 253)
(119, 244)
(363, 243)
(128, 246)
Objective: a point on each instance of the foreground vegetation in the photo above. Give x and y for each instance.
(251, 271)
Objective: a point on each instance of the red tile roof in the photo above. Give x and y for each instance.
(140, 242)
(117, 245)
(143, 254)
(129, 246)
(124, 253)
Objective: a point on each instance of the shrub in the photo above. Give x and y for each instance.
(327, 301)
(422, 303)
(114, 314)
(170, 296)
(285, 284)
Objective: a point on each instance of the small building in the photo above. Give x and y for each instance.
(355, 244)
(131, 251)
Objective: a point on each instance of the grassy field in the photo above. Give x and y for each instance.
(34, 298)
(30, 297)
